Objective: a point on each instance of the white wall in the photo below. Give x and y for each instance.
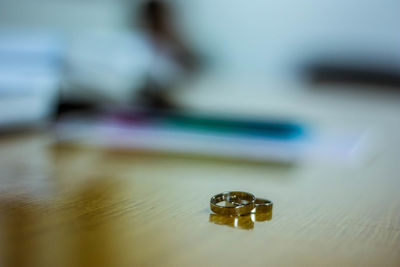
(64, 15)
(254, 37)
(271, 37)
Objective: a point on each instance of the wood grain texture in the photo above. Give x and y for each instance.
(72, 206)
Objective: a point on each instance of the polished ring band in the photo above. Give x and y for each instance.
(242, 203)
(263, 205)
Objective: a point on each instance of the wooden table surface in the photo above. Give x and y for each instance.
(77, 206)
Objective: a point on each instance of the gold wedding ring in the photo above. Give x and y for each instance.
(263, 205)
(237, 203)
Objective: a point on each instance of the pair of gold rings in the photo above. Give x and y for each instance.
(239, 203)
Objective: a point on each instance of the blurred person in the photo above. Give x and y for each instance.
(138, 68)
(172, 58)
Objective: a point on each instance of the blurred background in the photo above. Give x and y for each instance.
(310, 85)
(58, 57)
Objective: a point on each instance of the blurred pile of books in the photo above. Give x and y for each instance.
(30, 73)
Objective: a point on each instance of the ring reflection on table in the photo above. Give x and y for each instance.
(242, 222)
